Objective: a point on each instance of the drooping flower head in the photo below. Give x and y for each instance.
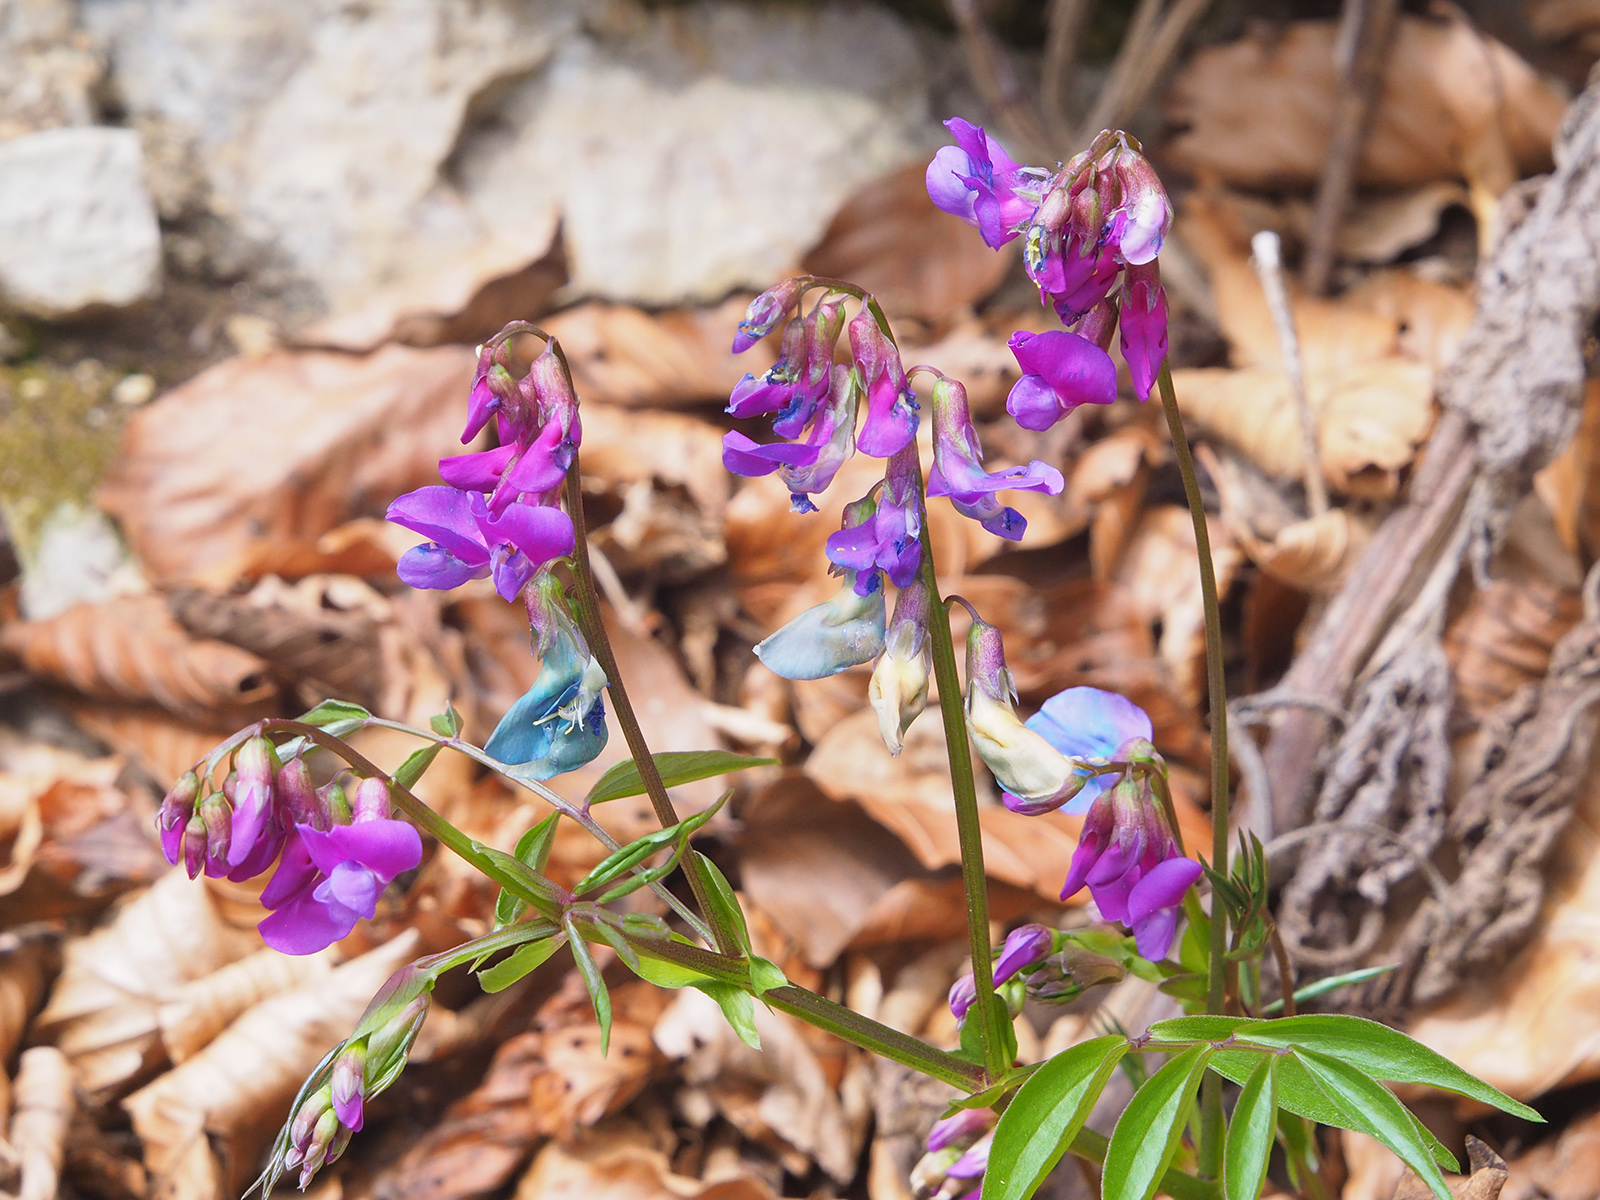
(958, 467)
(977, 181)
(898, 691)
(882, 533)
(891, 422)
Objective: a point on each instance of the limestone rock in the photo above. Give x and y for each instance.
(48, 69)
(77, 226)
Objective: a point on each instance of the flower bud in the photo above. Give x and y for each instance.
(891, 421)
(1037, 776)
(333, 800)
(898, 691)
(491, 385)
(217, 819)
(254, 795)
(1144, 325)
(303, 1125)
(931, 1171)
(1024, 946)
(349, 1083)
(371, 801)
(323, 1134)
(173, 817)
(556, 402)
(194, 844)
(298, 796)
(764, 313)
(961, 1129)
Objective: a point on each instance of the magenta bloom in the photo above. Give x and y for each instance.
(1061, 370)
(883, 534)
(1144, 325)
(958, 467)
(764, 313)
(977, 181)
(470, 542)
(330, 880)
(492, 386)
(1129, 861)
(1024, 947)
(891, 421)
(806, 467)
(1086, 279)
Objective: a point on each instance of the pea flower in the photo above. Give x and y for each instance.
(1060, 371)
(883, 533)
(764, 313)
(1130, 862)
(1094, 728)
(891, 422)
(1024, 947)
(559, 724)
(808, 467)
(977, 181)
(177, 808)
(957, 1155)
(492, 386)
(842, 632)
(1144, 325)
(898, 690)
(471, 542)
(958, 467)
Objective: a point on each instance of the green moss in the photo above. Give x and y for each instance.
(58, 429)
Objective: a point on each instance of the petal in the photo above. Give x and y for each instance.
(262, 855)
(537, 469)
(1087, 722)
(891, 416)
(251, 813)
(476, 472)
(1161, 887)
(947, 187)
(444, 515)
(354, 886)
(432, 567)
(511, 572)
(1153, 935)
(306, 926)
(1033, 403)
(539, 531)
(749, 458)
(296, 873)
(831, 637)
(387, 846)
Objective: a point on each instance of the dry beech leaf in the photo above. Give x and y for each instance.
(1381, 226)
(779, 1096)
(1371, 419)
(159, 744)
(598, 1167)
(1498, 1026)
(133, 649)
(1504, 636)
(579, 1085)
(927, 910)
(918, 261)
(1563, 1167)
(1430, 317)
(237, 1090)
(43, 1107)
(1454, 104)
(239, 472)
(103, 1009)
(680, 358)
(200, 1010)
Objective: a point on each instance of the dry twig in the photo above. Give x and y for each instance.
(1269, 269)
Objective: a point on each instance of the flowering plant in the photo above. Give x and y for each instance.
(1092, 232)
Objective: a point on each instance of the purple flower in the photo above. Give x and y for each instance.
(1090, 725)
(469, 542)
(977, 181)
(1144, 325)
(746, 456)
(1129, 861)
(958, 467)
(1088, 273)
(883, 535)
(974, 1162)
(1025, 946)
(752, 397)
(806, 467)
(353, 864)
(257, 765)
(963, 1126)
(177, 809)
(1061, 370)
(891, 421)
(764, 313)
(1139, 225)
(492, 386)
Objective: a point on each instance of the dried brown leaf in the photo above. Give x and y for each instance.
(133, 649)
(235, 1093)
(1504, 637)
(1563, 1167)
(43, 1107)
(918, 261)
(579, 1085)
(150, 738)
(1454, 104)
(239, 472)
(626, 1168)
(203, 1008)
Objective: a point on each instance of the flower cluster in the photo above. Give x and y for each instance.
(335, 853)
(958, 1155)
(497, 515)
(1101, 217)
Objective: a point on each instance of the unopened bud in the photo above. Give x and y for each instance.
(194, 845)
(217, 819)
(371, 802)
(316, 1153)
(335, 802)
(929, 1175)
(304, 1123)
(176, 810)
(764, 313)
(898, 691)
(298, 796)
(1035, 775)
(349, 1084)
(254, 796)
(961, 1129)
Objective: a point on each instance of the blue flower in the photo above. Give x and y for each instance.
(1090, 725)
(559, 724)
(830, 637)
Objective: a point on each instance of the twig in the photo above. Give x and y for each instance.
(1269, 269)
(1062, 39)
(1366, 28)
(997, 81)
(1146, 53)
(629, 612)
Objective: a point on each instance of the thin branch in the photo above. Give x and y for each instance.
(1150, 48)
(1268, 263)
(1062, 44)
(997, 81)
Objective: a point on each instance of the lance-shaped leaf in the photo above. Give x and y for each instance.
(1045, 1115)
(675, 767)
(518, 963)
(594, 981)
(418, 761)
(722, 900)
(448, 723)
(1255, 1118)
(337, 717)
(1147, 1134)
(533, 848)
(634, 853)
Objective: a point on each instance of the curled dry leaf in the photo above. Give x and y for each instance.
(43, 1107)
(579, 1085)
(1563, 1167)
(153, 740)
(133, 649)
(239, 472)
(103, 1009)
(675, 359)
(1454, 104)
(203, 1008)
(626, 1167)
(1371, 419)
(918, 261)
(1504, 637)
(237, 1090)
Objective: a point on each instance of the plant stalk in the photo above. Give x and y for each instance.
(985, 1008)
(1211, 1118)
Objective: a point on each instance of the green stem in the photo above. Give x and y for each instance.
(594, 629)
(1211, 1119)
(985, 1008)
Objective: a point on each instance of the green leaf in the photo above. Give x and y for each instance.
(724, 904)
(1147, 1134)
(594, 981)
(1368, 1107)
(331, 712)
(1197, 1029)
(766, 975)
(1332, 984)
(1382, 1053)
(675, 767)
(738, 1006)
(1045, 1115)
(533, 849)
(668, 974)
(448, 723)
(631, 855)
(1250, 1135)
(516, 870)
(518, 963)
(418, 761)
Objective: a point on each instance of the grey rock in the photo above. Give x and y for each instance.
(77, 226)
(48, 68)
